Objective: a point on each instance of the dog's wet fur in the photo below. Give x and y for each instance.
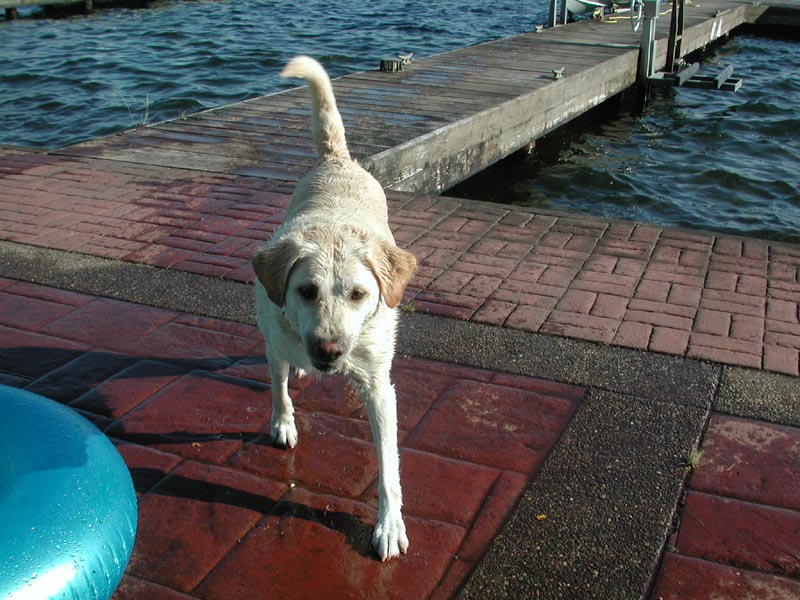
(328, 285)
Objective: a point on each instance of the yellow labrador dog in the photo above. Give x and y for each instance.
(328, 284)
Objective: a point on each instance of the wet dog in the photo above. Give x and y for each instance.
(328, 285)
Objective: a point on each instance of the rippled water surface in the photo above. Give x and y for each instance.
(720, 161)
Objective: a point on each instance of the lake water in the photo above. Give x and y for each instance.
(720, 161)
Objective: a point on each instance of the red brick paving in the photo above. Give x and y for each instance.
(729, 300)
(684, 578)
(739, 531)
(223, 513)
(751, 460)
(729, 531)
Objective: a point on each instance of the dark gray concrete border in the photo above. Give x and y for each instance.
(609, 490)
(593, 522)
(624, 370)
(759, 395)
(133, 282)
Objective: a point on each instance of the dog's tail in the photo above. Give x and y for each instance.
(325, 118)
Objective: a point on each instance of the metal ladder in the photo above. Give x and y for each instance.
(675, 36)
(676, 73)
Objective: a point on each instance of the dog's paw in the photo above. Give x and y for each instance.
(284, 432)
(389, 538)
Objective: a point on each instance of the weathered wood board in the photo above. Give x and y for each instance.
(440, 119)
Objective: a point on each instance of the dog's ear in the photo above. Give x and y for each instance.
(273, 265)
(393, 268)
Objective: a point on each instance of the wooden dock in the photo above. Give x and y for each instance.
(84, 6)
(12, 4)
(441, 119)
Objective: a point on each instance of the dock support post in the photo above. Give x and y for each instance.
(674, 53)
(558, 13)
(647, 48)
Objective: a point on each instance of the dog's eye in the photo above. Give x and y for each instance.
(307, 292)
(357, 295)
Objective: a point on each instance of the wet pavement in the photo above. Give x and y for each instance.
(554, 374)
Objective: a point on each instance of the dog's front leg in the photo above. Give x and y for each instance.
(282, 426)
(389, 537)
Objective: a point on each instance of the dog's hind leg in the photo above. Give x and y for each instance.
(282, 425)
(389, 537)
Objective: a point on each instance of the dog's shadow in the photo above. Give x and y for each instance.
(65, 374)
(357, 533)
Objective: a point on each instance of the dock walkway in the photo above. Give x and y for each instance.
(554, 371)
(440, 120)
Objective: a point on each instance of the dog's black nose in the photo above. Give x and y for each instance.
(325, 352)
(331, 351)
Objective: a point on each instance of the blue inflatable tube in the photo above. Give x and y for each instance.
(67, 503)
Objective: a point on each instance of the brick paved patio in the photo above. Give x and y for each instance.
(225, 514)
(694, 294)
